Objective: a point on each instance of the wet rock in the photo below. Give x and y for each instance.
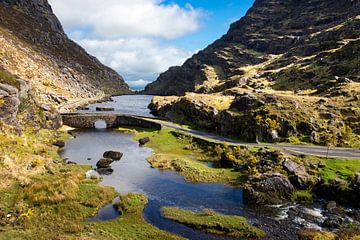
(334, 222)
(59, 143)
(143, 141)
(71, 163)
(105, 171)
(113, 155)
(104, 163)
(356, 182)
(104, 109)
(331, 206)
(246, 101)
(92, 174)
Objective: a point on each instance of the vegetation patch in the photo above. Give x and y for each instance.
(7, 78)
(302, 196)
(340, 168)
(42, 197)
(193, 161)
(214, 223)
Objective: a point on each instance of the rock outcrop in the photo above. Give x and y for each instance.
(9, 104)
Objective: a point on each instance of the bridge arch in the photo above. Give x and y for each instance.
(100, 124)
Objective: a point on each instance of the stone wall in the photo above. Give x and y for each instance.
(88, 120)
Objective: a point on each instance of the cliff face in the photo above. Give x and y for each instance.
(287, 71)
(309, 40)
(34, 48)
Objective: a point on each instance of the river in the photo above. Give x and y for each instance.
(166, 188)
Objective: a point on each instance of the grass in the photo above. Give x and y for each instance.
(302, 196)
(181, 154)
(7, 78)
(214, 223)
(52, 200)
(340, 168)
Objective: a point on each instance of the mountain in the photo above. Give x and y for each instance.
(310, 40)
(289, 70)
(39, 64)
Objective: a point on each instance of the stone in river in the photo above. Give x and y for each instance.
(113, 155)
(143, 141)
(59, 143)
(104, 163)
(105, 171)
(104, 109)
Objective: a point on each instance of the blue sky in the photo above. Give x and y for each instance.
(142, 38)
(218, 15)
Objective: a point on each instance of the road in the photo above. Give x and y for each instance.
(320, 151)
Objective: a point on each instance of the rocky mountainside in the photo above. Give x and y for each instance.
(46, 66)
(289, 69)
(310, 40)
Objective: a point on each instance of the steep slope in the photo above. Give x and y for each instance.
(35, 49)
(276, 36)
(287, 71)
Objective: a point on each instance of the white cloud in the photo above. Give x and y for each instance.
(130, 35)
(136, 57)
(127, 18)
(138, 83)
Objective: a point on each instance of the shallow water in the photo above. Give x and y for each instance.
(126, 104)
(166, 188)
(163, 188)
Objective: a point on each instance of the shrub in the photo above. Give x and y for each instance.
(7, 78)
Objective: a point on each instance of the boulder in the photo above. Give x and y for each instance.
(334, 222)
(268, 189)
(275, 183)
(114, 155)
(92, 174)
(104, 163)
(143, 141)
(314, 137)
(104, 109)
(356, 183)
(298, 175)
(331, 206)
(9, 104)
(105, 171)
(59, 143)
(293, 167)
(246, 101)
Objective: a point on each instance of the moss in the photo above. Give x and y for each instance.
(302, 196)
(215, 223)
(308, 234)
(180, 153)
(7, 78)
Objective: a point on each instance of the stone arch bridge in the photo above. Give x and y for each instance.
(112, 120)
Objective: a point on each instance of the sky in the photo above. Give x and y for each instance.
(142, 38)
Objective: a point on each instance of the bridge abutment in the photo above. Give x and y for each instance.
(88, 120)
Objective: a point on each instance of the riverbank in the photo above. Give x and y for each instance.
(268, 176)
(40, 191)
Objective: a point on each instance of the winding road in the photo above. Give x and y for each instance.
(349, 153)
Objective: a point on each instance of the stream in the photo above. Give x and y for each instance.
(167, 188)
